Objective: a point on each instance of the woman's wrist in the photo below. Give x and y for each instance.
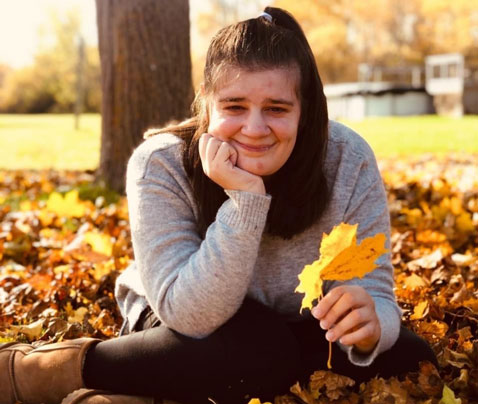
(366, 346)
(258, 188)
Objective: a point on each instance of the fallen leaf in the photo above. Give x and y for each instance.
(433, 330)
(429, 379)
(32, 331)
(462, 259)
(306, 396)
(449, 396)
(99, 242)
(379, 391)
(330, 384)
(77, 315)
(420, 311)
(415, 282)
(67, 206)
(428, 261)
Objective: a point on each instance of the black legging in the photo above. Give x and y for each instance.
(255, 354)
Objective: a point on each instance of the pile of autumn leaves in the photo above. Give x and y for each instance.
(64, 241)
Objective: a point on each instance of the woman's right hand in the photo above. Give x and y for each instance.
(219, 164)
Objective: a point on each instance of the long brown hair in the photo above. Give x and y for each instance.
(298, 189)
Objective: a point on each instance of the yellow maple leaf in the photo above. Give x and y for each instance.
(100, 242)
(464, 223)
(69, 206)
(340, 259)
(420, 311)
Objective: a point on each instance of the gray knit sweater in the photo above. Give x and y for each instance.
(194, 286)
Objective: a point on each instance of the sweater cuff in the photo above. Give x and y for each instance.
(245, 210)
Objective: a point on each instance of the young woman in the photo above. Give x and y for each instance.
(226, 209)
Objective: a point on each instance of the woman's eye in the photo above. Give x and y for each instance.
(277, 110)
(234, 108)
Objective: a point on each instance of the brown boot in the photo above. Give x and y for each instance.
(44, 375)
(86, 396)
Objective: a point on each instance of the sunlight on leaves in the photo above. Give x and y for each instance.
(68, 206)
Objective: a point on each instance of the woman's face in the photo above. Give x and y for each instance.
(257, 112)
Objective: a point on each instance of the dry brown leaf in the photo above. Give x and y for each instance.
(379, 391)
(329, 383)
(303, 394)
(428, 261)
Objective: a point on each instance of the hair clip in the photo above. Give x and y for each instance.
(267, 16)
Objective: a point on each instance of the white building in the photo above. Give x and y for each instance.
(450, 89)
(359, 100)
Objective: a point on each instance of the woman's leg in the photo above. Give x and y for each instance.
(253, 355)
(403, 357)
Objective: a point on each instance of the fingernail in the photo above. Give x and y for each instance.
(329, 335)
(317, 313)
(324, 325)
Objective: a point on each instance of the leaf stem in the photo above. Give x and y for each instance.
(329, 361)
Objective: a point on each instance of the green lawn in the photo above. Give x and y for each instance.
(419, 134)
(50, 141)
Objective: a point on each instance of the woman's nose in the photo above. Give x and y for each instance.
(255, 125)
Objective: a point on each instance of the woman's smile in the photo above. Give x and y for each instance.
(253, 148)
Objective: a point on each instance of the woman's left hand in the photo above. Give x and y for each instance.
(348, 313)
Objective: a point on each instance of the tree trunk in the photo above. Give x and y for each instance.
(146, 75)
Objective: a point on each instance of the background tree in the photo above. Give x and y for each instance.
(387, 33)
(146, 75)
(214, 15)
(49, 84)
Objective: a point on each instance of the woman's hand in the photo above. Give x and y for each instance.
(219, 164)
(348, 313)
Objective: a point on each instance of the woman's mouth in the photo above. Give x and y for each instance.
(255, 148)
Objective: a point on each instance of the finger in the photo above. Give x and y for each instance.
(327, 302)
(345, 303)
(364, 333)
(354, 296)
(203, 140)
(234, 156)
(225, 153)
(353, 320)
(211, 149)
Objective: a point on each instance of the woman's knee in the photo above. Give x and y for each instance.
(405, 355)
(414, 346)
(259, 332)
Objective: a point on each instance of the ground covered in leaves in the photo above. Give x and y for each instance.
(63, 242)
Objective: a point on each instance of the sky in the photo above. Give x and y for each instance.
(21, 20)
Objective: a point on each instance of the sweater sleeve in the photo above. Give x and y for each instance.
(368, 207)
(192, 285)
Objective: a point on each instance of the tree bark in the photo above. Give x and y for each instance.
(146, 75)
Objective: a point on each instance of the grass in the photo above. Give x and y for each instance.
(398, 136)
(50, 141)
